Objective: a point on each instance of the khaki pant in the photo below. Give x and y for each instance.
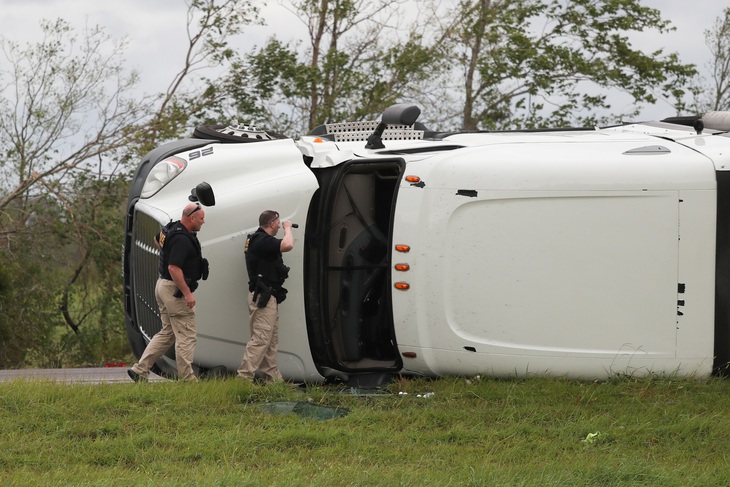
(178, 328)
(264, 343)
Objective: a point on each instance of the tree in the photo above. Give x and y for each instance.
(210, 26)
(525, 63)
(718, 41)
(71, 128)
(359, 57)
(66, 103)
(480, 64)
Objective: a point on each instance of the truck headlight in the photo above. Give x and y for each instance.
(163, 172)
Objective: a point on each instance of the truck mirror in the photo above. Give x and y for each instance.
(203, 193)
(401, 114)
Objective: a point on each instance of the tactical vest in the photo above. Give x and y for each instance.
(192, 269)
(273, 272)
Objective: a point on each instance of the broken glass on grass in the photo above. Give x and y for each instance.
(305, 410)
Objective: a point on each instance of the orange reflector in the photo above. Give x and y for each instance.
(402, 248)
(403, 286)
(318, 140)
(402, 267)
(409, 354)
(413, 179)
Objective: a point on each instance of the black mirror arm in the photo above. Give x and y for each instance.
(375, 140)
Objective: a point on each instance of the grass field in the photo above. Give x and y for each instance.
(447, 432)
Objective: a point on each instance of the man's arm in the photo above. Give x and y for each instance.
(287, 243)
(179, 279)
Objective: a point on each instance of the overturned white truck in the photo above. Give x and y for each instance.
(583, 253)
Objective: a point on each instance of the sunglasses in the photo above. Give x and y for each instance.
(196, 209)
(274, 219)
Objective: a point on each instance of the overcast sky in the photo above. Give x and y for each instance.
(157, 38)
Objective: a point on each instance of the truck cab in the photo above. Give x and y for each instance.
(583, 253)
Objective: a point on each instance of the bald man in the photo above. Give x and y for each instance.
(181, 267)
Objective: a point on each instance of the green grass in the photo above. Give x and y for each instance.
(470, 432)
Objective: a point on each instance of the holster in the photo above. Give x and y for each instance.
(204, 269)
(192, 285)
(261, 293)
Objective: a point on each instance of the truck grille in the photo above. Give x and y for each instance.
(144, 258)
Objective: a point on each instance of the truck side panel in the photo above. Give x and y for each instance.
(577, 273)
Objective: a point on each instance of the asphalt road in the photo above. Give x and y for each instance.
(98, 375)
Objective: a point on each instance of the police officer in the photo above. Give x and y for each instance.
(266, 274)
(181, 267)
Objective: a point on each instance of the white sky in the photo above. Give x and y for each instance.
(157, 38)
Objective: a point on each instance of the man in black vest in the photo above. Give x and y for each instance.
(181, 267)
(266, 275)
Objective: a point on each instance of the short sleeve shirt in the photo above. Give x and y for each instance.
(265, 246)
(183, 254)
(262, 247)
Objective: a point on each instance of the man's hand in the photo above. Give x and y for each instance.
(179, 279)
(287, 243)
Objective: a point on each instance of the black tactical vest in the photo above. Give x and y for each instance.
(192, 268)
(273, 272)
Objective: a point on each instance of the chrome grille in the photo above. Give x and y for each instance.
(144, 258)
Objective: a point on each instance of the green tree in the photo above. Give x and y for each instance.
(66, 103)
(72, 128)
(89, 297)
(476, 63)
(526, 63)
(27, 321)
(359, 57)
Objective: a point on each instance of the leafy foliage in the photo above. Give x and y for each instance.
(531, 63)
(354, 65)
(486, 64)
(27, 323)
(67, 109)
(210, 25)
(71, 131)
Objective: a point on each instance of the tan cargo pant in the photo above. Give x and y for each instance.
(178, 328)
(264, 343)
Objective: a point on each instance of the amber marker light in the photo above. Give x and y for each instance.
(413, 179)
(318, 140)
(402, 267)
(402, 248)
(403, 286)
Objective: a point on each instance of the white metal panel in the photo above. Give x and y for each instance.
(558, 259)
(564, 274)
(576, 166)
(712, 144)
(246, 179)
